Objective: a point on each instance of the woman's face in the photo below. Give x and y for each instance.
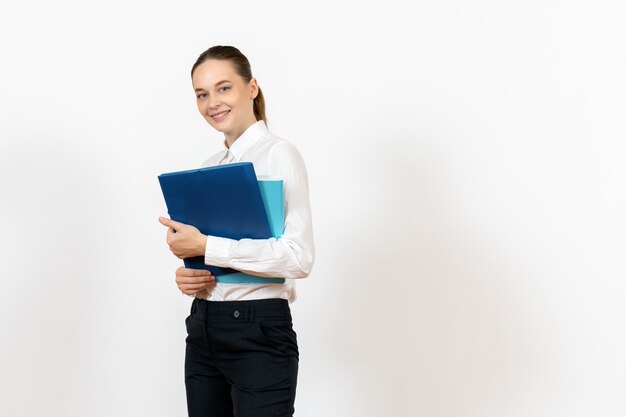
(224, 99)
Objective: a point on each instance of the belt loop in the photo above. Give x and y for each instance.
(193, 307)
(251, 314)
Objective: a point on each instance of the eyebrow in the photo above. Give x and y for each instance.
(216, 84)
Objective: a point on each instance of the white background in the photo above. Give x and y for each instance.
(467, 176)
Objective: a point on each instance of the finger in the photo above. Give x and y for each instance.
(196, 288)
(192, 272)
(198, 278)
(192, 287)
(171, 223)
(201, 272)
(183, 274)
(195, 280)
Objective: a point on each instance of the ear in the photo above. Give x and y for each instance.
(254, 88)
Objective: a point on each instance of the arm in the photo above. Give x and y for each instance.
(293, 254)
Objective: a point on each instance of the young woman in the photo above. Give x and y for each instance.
(241, 355)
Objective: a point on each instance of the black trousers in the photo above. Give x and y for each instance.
(241, 359)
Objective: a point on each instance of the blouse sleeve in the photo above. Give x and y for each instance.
(293, 254)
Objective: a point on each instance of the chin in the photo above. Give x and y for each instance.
(221, 127)
(215, 126)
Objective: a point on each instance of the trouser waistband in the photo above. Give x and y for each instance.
(240, 311)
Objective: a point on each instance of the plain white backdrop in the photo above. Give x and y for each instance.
(467, 179)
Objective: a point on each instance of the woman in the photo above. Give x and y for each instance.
(241, 355)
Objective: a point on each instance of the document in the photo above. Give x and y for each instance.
(227, 201)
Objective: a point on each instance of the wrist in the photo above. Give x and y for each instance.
(202, 245)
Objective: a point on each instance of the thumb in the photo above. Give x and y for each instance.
(170, 223)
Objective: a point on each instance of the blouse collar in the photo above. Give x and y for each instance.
(248, 138)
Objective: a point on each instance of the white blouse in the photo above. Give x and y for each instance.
(290, 256)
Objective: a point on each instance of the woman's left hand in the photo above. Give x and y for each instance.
(185, 241)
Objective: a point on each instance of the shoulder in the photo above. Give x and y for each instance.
(284, 160)
(280, 149)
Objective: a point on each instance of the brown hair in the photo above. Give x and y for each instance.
(242, 66)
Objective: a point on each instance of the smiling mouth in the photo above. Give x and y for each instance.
(220, 116)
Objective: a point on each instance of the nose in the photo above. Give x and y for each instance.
(214, 103)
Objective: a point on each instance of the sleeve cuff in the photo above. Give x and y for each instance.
(217, 251)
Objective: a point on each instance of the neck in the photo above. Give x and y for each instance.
(231, 137)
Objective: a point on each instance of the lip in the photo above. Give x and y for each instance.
(219, 112)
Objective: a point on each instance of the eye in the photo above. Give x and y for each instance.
(201, 95)
(225, 87)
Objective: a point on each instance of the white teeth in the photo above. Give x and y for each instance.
(220, 115)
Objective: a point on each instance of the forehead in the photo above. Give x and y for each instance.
(210, 72)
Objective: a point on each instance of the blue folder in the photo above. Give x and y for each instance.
(272, 193)
(226, 201)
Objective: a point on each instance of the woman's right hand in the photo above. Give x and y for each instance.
(192, 282)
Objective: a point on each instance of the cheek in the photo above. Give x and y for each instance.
(202, 107)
